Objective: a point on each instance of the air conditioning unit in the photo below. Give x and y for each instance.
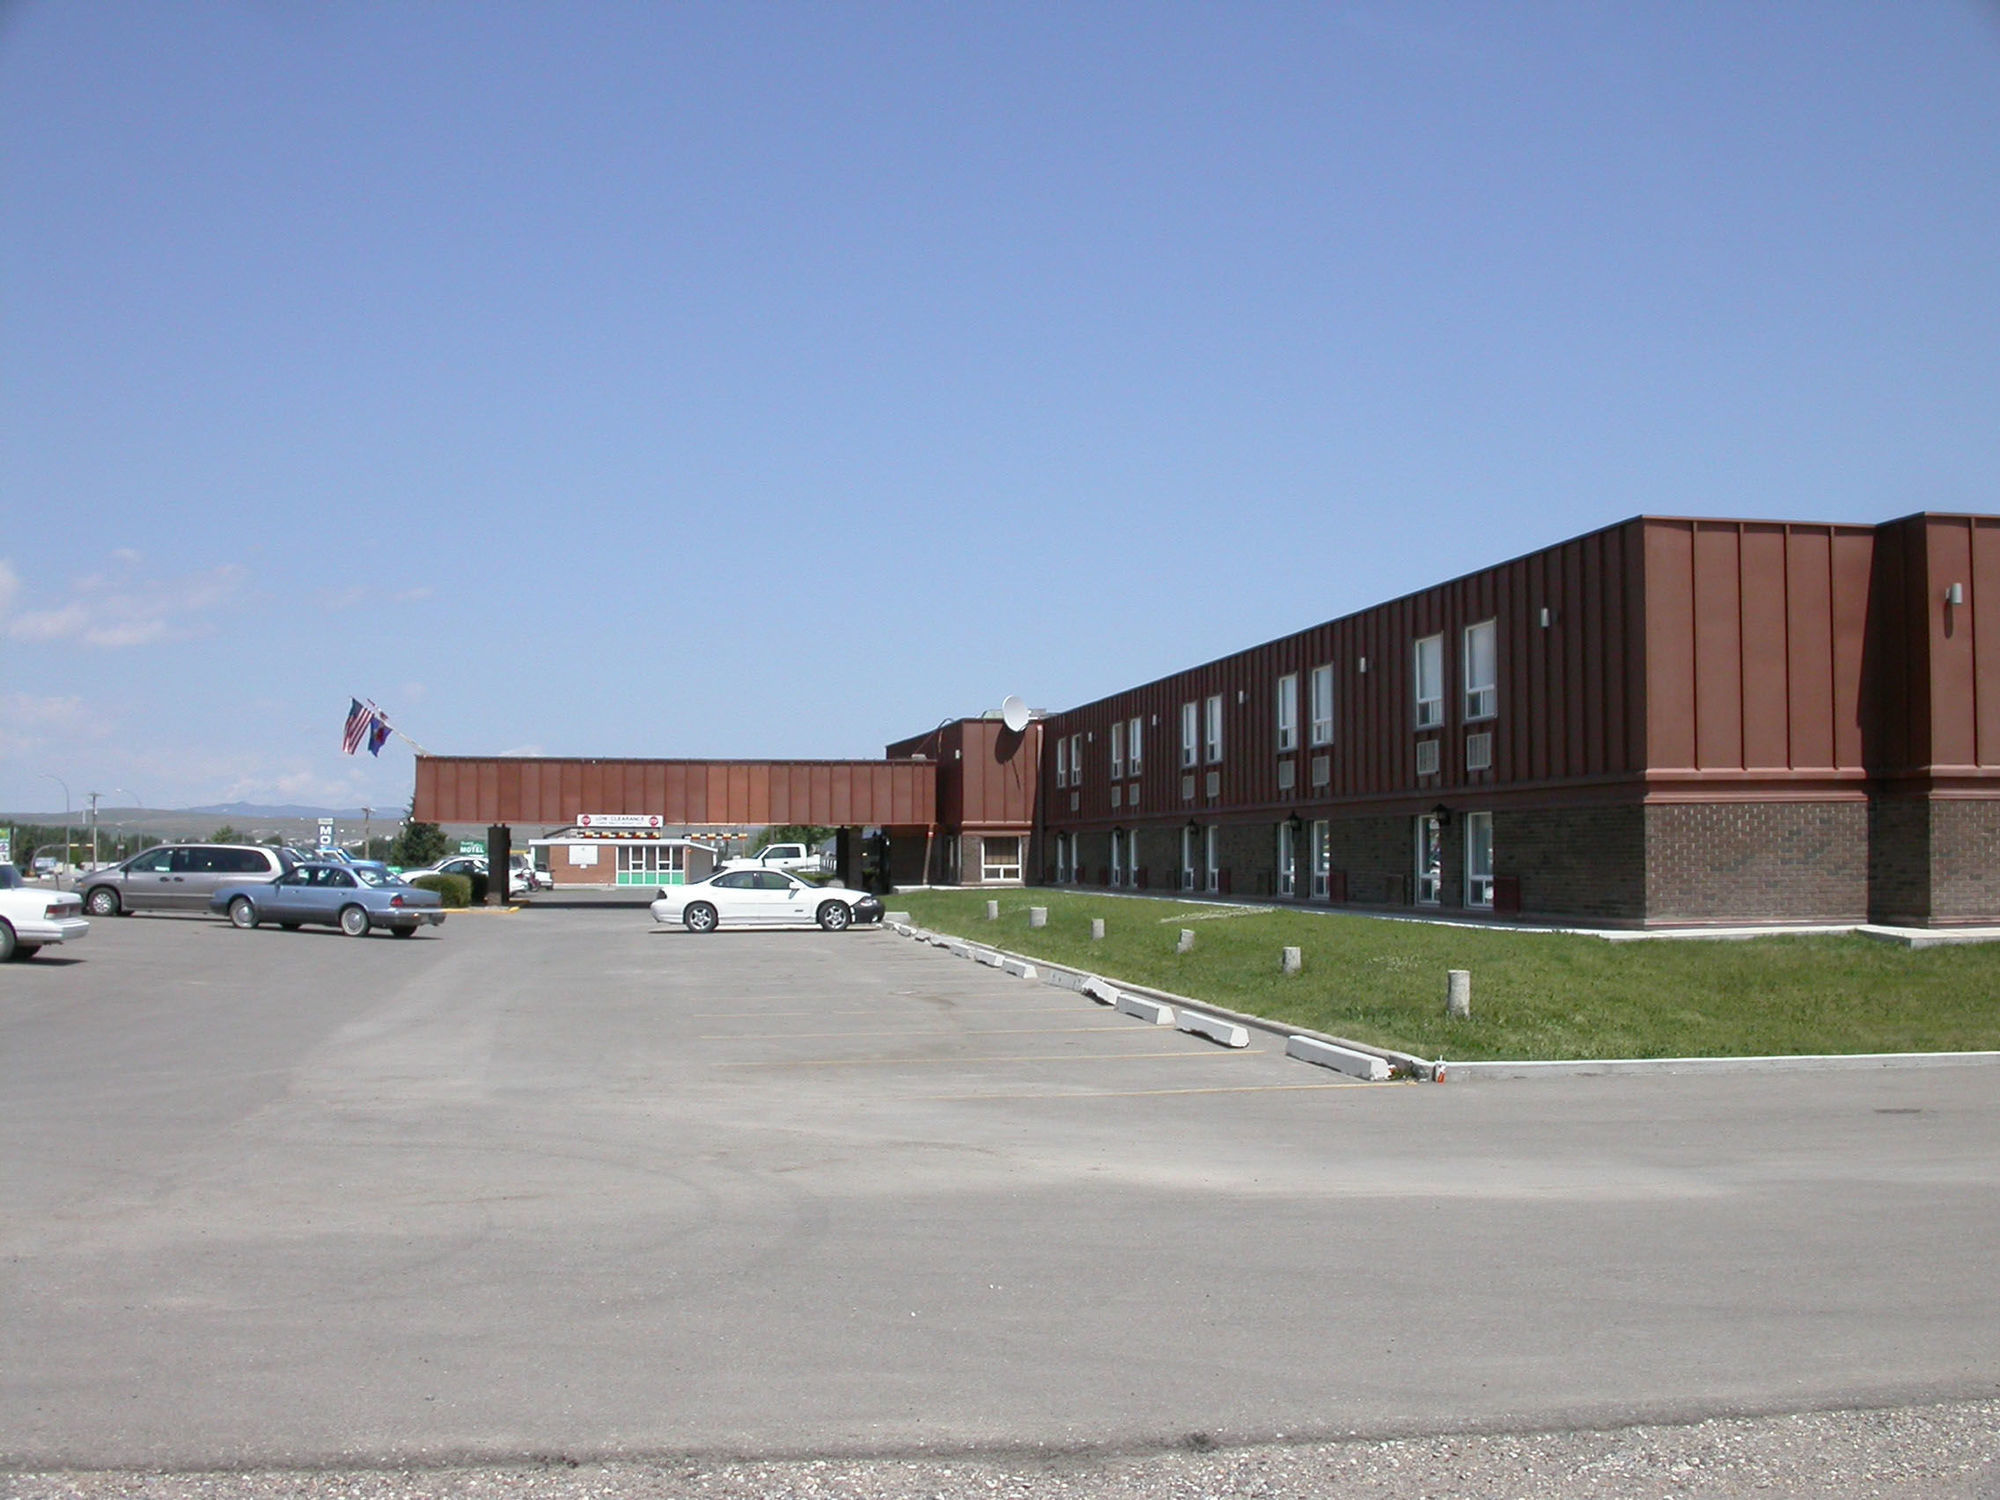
(1187, 789)
(1132, 795)
(1288, 775)
(1479, 752)
(1075, 801)
(1214, 785)
(1427, 758)
(1117, 796)
(1322, 770)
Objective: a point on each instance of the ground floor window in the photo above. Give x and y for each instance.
(652, 864)
(999, 858)
(1430, 859)
(1117, 856)
(1062, 859)
(1211, 864)
(1188, 837)
(1288, 853)
(1322, 855)
(1479, 859)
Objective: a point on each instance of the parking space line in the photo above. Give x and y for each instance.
(920, 1062)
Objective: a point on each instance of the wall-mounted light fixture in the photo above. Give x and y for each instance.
(1442, 814)
(1954, 593)
(1242, 696)
(1548, 617)
(1364, 666)
(1193, 828)
(1297, 823)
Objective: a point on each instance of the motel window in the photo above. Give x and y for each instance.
(1188, 838)
(1288, 711)
(1429, 665)
(1076, 760)
(1288, 854)
(1322, 856)
(1132, 747)
(1189, 735)
(1430, 859)
(1062, 761)
(1322, 705)
(1210, 858)
(1479, 859)
(1062, 859)
(1211, 741)
(1117, 749)
(1000, 858)
(1482, 671)
(1117, 856)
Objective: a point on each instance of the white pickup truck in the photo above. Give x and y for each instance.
(793, 859)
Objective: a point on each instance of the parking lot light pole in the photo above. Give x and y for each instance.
(93, 796)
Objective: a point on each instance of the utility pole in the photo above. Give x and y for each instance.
(93, 826)
(367, 813)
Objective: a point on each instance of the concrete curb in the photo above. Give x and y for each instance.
(1403, 1064)
(1457, 1072)
(1197, 1017)
(1341, 1059)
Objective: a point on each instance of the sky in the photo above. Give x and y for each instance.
(744, 380)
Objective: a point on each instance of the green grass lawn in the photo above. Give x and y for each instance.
(1534, 994)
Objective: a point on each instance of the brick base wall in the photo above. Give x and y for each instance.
(1757, 862)
(1574, 862)
(1965, 860)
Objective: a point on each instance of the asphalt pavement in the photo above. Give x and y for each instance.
(556, 1187)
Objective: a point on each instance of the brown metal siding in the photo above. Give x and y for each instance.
(1757, 646)
(1568, 705)
(465, 789)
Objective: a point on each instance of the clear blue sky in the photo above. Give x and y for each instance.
(748, 379)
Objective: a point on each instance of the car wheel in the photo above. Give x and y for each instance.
(700, 917)
(102, 902)
(7, 943)
(243, 912)
(834, 915)
(354, 921)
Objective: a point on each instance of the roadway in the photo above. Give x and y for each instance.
(557, 1182)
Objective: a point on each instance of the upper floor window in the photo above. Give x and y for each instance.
(1429, 666)
(1211, 736)
(1117, 749)
(1322, 705)
(1482, 671)
(1190, 742)
(1288, 712)
(1076, 760)
(1062, 761)
(1132, 747)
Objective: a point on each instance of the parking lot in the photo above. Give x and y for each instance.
(562, 1182)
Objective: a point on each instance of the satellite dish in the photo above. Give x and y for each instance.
(1014, 713)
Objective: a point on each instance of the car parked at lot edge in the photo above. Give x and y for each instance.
(763, 898)
(356, 898)
(178, 877)
(31, 917)
(468, 865)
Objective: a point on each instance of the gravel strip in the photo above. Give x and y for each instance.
(1950, 1450)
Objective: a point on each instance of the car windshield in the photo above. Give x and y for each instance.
(10, 878)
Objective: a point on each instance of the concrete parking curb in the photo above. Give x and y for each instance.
(1405, 1065)
(1196, 1017)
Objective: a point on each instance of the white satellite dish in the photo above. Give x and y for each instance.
(1014, 713)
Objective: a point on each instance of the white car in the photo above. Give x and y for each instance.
(763, 898)
(518, 881)
(31, 918)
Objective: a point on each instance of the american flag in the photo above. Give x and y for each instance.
(359, 721)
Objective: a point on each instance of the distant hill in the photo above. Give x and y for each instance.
(285, 810)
